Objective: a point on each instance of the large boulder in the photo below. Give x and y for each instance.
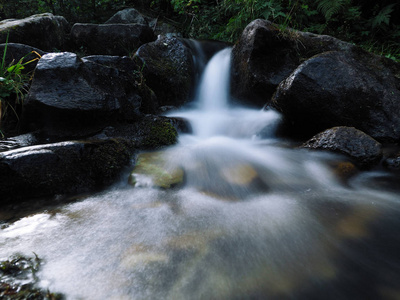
(44, 31)
(265, 55)
(127, 16)
(61, 168)
(15, 52)
(353, 88)
(80, 97)
(168, 69)
(354, 143)
(111, 39)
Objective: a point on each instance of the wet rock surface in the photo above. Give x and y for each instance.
(265, 55)
(357, 145)
(343, 89)
(61, 168)
(169, 70)
(80, 97)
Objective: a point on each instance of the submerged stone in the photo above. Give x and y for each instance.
(240, 174)
(153, 167)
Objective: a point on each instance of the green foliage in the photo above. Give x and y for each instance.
(13, 84)
(383, 16)
(363, 22)
(331, 7)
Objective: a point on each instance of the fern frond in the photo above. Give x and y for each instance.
(383, 16)
(331, 7)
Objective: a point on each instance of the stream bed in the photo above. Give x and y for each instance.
(254, 219)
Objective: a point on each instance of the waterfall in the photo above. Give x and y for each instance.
(214, 115)
(255, 218)
(213, 91)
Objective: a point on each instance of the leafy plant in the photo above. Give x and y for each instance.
(13, 84)
(383, 17)
(331, 7)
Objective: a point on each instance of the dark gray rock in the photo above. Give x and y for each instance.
(168, 69)
(149, 102)
(393, 162)
(161, 27)
(265, 55)
(17, 51)
(354, 143)
(150, 132)
(343, 89)
(127, 16)
(74, 97)
(61, 168)
(111, 39)
(44, 31)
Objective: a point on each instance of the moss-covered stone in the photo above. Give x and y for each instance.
(161, 133)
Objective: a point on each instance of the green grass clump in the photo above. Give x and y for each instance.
(13, 85)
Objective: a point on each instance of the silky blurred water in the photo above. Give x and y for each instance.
(255, 219)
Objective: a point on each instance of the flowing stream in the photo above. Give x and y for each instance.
(255, 219)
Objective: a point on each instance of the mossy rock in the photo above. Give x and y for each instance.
(153, 166)
(160, 133)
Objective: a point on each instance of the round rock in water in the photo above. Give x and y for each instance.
(349, 141)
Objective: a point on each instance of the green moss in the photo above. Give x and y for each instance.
(161, 133)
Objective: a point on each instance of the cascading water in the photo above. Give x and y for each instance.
(254, 220)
